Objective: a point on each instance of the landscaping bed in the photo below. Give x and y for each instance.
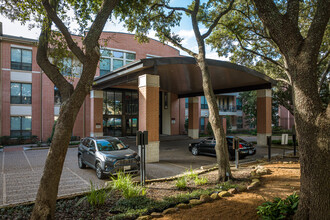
(124, 200)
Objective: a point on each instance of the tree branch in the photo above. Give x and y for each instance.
(76, 50)
(258, 54)
(52, 71)
(284, 81)
(99, 22)
(172, 8)
(293, 11)
(170, 39)
(323, 58)
(216, 21)
(324, 76)
(319, 23)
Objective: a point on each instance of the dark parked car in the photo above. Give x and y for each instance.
(207, 147)
(107, 155)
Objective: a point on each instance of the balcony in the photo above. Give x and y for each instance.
(230, 110)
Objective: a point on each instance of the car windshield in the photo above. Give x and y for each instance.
(110, 145)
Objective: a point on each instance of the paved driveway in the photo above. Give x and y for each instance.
(21, 170)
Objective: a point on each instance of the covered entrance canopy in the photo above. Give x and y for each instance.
(182, 76)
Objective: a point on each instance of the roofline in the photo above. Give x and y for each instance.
(158, 61)
(16, 39)
(118, 32)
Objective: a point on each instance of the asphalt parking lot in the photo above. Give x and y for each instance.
(22, 170)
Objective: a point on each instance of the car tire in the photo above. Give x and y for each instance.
(194, 151)
(81, 164)
(99, 171)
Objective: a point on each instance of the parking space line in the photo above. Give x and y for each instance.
(177, 165)
(4, 193)
(3, 162)
(77, 175)
(28, 161)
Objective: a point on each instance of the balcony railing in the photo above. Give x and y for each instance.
(229, 108)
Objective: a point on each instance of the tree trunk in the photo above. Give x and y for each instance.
(313, 129)
(221, 148)
(47, 193)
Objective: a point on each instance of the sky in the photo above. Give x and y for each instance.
(185, 31)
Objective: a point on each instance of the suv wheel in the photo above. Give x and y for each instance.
(194, 151)
(81, 163)
(99, 171)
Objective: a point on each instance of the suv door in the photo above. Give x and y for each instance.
(90, 154)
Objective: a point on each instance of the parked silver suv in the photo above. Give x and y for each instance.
(107, 155)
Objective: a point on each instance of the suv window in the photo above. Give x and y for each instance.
(110, 145)
(92, 145)
(85, 142)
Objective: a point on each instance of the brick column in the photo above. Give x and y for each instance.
(149, 114)
(233, 122)
(264, 116)
(193, 118)
(96, 115)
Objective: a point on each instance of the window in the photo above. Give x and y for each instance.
(20, 93)
(66, 69)
(20, 126)
(204, 103)
(202, 124)
(113, 59)
(131, 100)
(112, 103)
(187, 102)
(21, 59)
(57, 96)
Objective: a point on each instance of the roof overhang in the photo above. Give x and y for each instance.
(182, 76)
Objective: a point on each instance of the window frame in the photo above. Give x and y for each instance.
(19, 65)
(21, 93)
(21, 125)
(110, 56)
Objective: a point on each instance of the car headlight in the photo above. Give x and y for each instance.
(110, 159)
(137, 157)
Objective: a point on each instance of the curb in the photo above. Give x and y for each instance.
(44, 148)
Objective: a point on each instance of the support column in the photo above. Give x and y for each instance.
(96, 113)
(233, 122)
(264, 116)
(193, 118)
(149, 114)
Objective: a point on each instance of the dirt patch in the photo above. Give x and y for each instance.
(283, 181)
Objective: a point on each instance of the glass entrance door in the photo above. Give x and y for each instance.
(131, 126)
(112, 126)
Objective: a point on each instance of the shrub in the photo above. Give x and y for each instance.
(124, 184)
(4, 140)
(191, 174)
(201, 181)
(279, 208)
(96, 197)
(181, 183)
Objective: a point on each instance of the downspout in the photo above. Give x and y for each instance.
(84, 120)
(1, 79)
(41, 122)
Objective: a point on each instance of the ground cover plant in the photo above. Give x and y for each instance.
(279, 208)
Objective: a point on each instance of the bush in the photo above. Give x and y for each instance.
(125, 185)
(181, 183)
(279, 208)
(96, 197)
(4, 140)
